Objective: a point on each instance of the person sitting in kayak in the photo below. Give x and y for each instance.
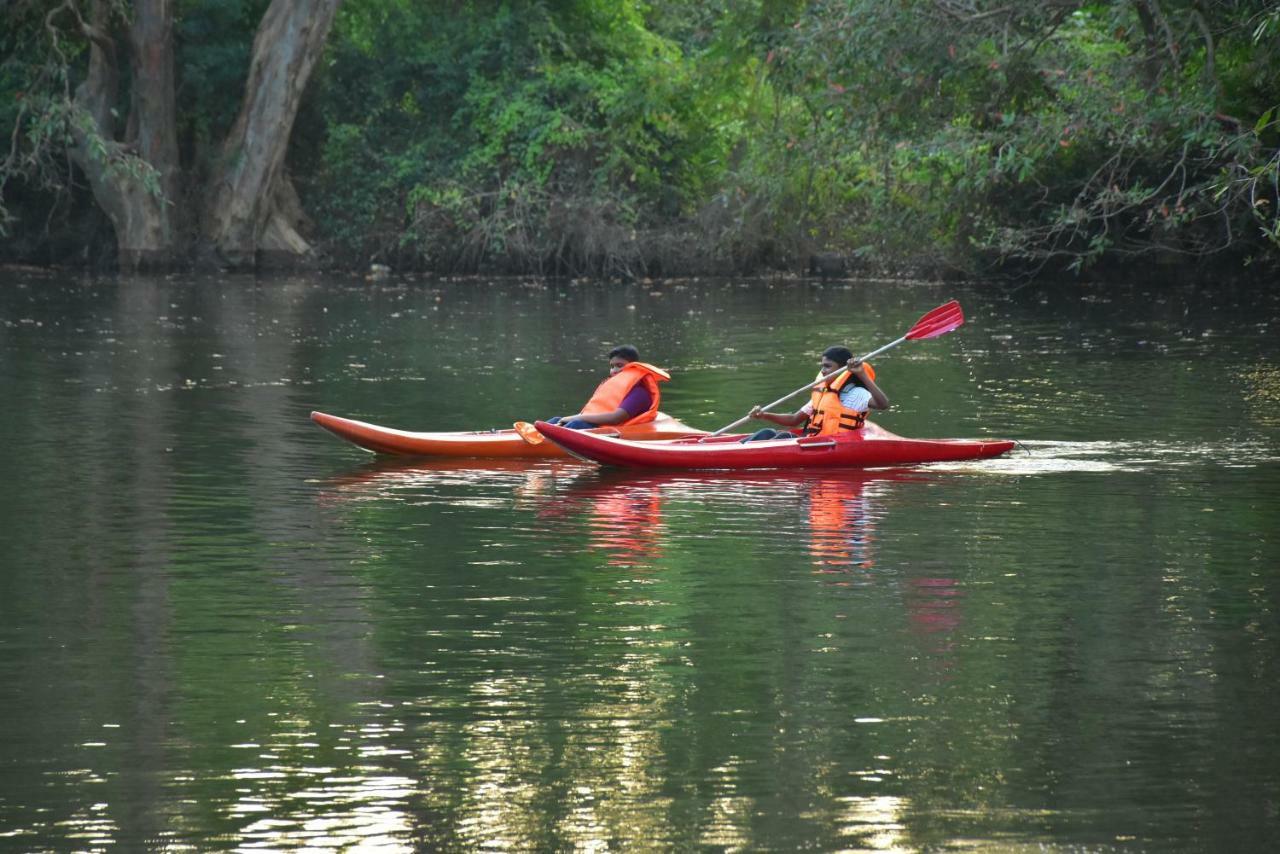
(628, 396)
(834, 408)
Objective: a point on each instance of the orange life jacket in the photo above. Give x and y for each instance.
(609, 394)
(829, 415)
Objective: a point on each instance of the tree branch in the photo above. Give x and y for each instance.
(1209, 61)
(1157, 14)
(93, 33)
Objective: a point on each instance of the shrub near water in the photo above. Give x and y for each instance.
(618, 139)
(526, 138)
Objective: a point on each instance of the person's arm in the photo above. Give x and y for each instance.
(637, 401)
(784, 419)
(879, 400)
(600, 419)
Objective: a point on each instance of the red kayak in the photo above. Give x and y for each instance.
(477, 443)
(870, 447)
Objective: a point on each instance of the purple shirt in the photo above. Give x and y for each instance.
(638, 400)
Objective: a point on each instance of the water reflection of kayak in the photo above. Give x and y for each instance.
(742, 487)
(477, 443)
(871, 446)
(405, 471)
(628, 511)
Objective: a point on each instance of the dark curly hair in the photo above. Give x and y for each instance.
(631, 354)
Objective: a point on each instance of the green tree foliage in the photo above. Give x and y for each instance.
(614, 137)
(44, 59)
(632, 137)
(35, 111)
(531, 134)
(1056, 132)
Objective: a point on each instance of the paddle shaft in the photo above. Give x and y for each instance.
(810, 386)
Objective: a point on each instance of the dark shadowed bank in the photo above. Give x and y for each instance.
(628, 139)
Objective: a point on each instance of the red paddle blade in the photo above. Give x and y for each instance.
(940, 321)
(941, 327)
(948, 307)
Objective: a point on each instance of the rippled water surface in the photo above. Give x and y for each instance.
(222, 628)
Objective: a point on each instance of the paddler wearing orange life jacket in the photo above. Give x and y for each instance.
(839, 406)
(628, 396)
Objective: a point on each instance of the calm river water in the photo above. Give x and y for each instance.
(222, 628)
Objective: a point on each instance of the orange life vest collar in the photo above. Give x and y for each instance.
(609, 394)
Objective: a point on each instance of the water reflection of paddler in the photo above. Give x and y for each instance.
(839, 406)
(933, 606)
(842, 521)
(935, 613)
(629, 395)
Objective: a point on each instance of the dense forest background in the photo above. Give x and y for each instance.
(626, 138)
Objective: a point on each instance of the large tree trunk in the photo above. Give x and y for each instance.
(251, 213)
(154, 124)
(245, 220)
(132, 180)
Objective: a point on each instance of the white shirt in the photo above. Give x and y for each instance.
(852, 396)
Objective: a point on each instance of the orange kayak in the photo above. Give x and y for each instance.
(480, 443)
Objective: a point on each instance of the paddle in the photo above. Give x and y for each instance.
(529, 433)
(943, 319)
